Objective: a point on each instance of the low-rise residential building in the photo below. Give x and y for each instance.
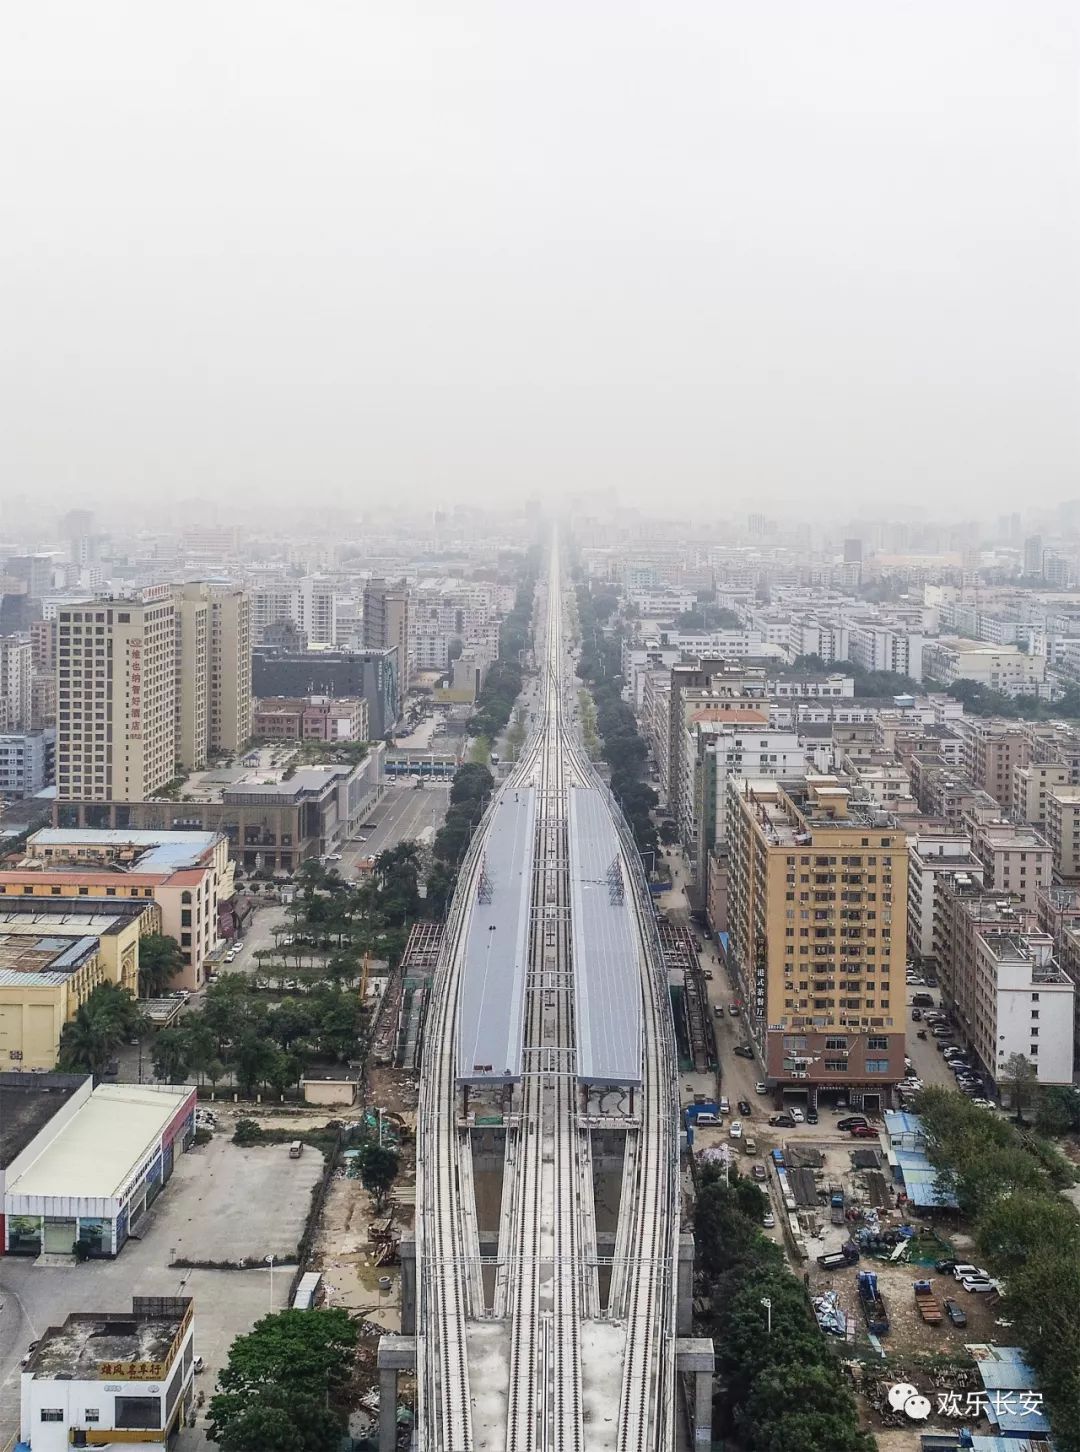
(1063, 830)
(27, 762)
(1023, 1004)
(311, 718)
(992, 751)
(717, 750)
(53, 954)
(932, 860)
(1003, 668)
(188, 874)
(1016, 859)
(1031, 787)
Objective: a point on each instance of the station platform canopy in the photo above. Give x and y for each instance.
(491, 1016)
(606, 946)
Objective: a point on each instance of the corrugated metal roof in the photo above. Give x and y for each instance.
(497, 946)
(606, 946)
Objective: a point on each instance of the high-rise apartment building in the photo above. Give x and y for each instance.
(230, 669)
(147, 684)
(213, 671)
(16, 675)
(116, 697)
(386, 621)
(817, 915)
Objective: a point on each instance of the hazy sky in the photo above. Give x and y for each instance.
(760, 251)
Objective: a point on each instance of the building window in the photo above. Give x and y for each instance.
(52, 1414)
(92, 1414)
(877, 1041)
(836, 1066)
(836, 1043)
(877, 1066)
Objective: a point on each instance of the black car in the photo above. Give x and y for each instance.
(851, 1121)
(955, 1312)
(782, 1121)
(945, 1267)
(744, 1108)
(811, 1116)
(744, 1051)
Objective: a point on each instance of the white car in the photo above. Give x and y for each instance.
(979, 1286)
(761, 1087)
(768, 1220)
(798, 1116)
(333, 857)
(735, 1129)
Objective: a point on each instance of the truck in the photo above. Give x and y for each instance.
(928, 1305)
(848, 1254)
(836, 1204)
(873, 1304)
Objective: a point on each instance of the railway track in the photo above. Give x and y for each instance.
(542, 1282)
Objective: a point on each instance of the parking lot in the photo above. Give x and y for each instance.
(222, 1203)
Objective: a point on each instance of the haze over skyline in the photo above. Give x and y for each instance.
(803, 256)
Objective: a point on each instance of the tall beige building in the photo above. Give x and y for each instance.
(213, 671)
(192, 675)
(386, 622)
(817, 918)
(116, 697)
(149, 685)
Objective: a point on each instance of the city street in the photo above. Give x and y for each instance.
(404, 814)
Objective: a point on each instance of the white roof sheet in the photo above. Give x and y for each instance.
(606, 946)
(490, 1021)
(102, 1144)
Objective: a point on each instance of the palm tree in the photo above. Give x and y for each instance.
(160, 959)
(86, 1044)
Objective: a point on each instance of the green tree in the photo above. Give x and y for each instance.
(85, 1044)
(1021, 1078)
(171, 1055)
(160, 959)
(378, 1170)
(108, 1018)
(1058, 1110)
(279, 1387)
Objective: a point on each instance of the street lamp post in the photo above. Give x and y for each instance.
(270, 1263)
(767, 1303)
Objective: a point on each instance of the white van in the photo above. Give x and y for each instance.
(706, 1118)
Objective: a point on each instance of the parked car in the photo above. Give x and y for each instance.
(923, 1000)
(945, 1267)
(744, 1108)
(963, 1271)
(758, 1173)
(863, 1131)
(811, 1116)
(725, 1104)
(735, 1129)
(768, 1220)
(782, 1121)
(955, 1312)
(761, 1087)
(916, 1014)
(851, 1121)
(333, 857)
(941, 1031)
(979, 1286)
(744, 1051)
(798, 1116)
(734, 1010)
